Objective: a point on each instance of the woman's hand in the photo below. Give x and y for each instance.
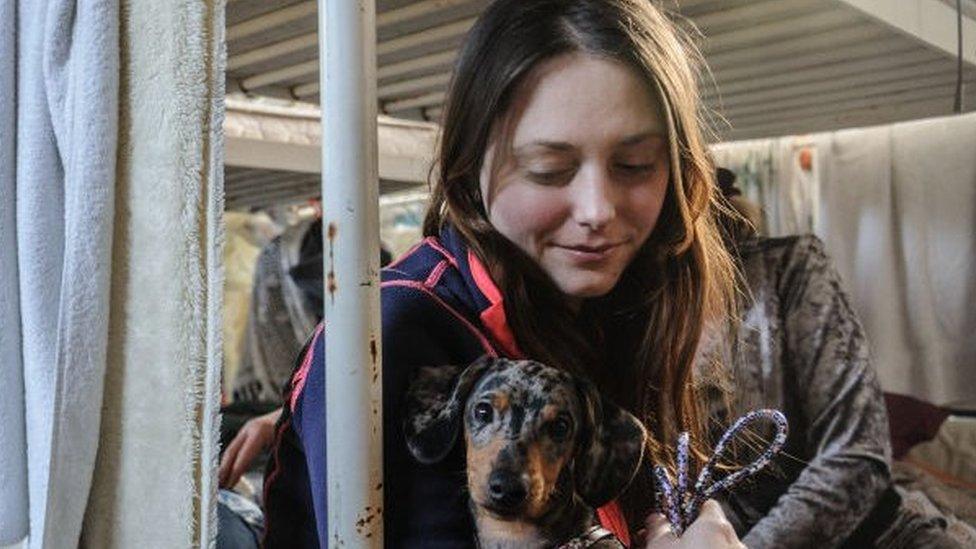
(256, 435)
(711, 530)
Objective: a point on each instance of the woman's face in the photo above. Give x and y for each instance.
(587, 174)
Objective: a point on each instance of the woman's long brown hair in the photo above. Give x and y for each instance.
(640, 342)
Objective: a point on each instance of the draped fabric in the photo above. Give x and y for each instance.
(154, 483)
(110, 194)
(896, 207)
(59, 116)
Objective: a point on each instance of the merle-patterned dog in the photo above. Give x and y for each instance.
(544, 449)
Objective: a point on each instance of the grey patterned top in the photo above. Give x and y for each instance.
(279, 321)
(801, 349)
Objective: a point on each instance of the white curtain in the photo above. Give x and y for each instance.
(154, 483)
(896, 207)
(85, 114)
(59, 132)
(899, 217)
(13, 452)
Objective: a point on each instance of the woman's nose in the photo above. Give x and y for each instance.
(594, 203)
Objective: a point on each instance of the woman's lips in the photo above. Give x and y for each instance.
(589, 253)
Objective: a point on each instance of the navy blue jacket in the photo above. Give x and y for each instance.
(439, 307)
(435, 311)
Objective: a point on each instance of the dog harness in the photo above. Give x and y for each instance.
(588, 538)
(681, 505)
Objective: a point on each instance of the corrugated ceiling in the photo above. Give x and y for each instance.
(779, 66)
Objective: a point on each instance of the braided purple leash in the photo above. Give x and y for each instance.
(680, 505)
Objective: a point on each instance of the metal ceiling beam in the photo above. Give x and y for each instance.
(736, 75)
(283, 186)
(426, 36)
(748, 14)
(433, 113)
(266, 201)
(766, 33)
(264, 53)
(747, 62)
(895, 56)
(452, 30)
(416, 64)
(840, 76)
(931, 22)
(910, 89)
(272, 19)
(415, 10)
(718, 42)
(307, 41)
(253, 178)
(424, 83)
(280, 75)
(787, 68)
(427, 100)
(266, 177)
(391, 71)
(880, 112)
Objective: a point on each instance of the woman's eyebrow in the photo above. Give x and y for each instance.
(640, 138)
(533, 146)
(562, 146)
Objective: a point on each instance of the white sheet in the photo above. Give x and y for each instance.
(13, 452)
(66, 114)
(154, 479)
(896, 206)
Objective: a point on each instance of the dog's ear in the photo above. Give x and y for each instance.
(610, 450)
(435, 405)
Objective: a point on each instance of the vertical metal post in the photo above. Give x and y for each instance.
(353, 380)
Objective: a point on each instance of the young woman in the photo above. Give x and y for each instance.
(572, 222)
(800, 348)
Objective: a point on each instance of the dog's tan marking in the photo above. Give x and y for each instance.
(507, 533)
(480, 463)
(544, 474)
(500, 401)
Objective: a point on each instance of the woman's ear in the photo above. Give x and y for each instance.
(435, 404)
(610, 450)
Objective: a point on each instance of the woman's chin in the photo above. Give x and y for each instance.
(587, 286)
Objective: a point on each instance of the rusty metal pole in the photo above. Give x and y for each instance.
(353, 380)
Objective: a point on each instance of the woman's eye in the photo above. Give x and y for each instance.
(560, 429)
(635, 168)
(483, 412)
(549, 178)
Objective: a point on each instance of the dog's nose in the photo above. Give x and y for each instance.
(506, 489)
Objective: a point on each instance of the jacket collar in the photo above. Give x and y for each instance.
(485, 294)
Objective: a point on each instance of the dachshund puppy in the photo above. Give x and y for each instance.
(543, 448)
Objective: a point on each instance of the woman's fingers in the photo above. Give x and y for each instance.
(256, 435)
(228, 459)
(659, 534)
(712, 524)
(252, 446)
(711, 530)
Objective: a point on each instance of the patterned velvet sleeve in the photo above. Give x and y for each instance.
(826, 363)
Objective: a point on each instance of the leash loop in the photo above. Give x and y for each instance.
(681, 505)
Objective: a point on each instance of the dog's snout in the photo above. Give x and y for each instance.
(506, 489)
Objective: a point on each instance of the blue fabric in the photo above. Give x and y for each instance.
(423, 325)
(233, 532)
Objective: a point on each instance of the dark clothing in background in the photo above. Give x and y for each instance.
(307, 273)
(286, 305)
(801, 349)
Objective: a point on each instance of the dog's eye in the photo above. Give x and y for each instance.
(483, 412)
(560, 428)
